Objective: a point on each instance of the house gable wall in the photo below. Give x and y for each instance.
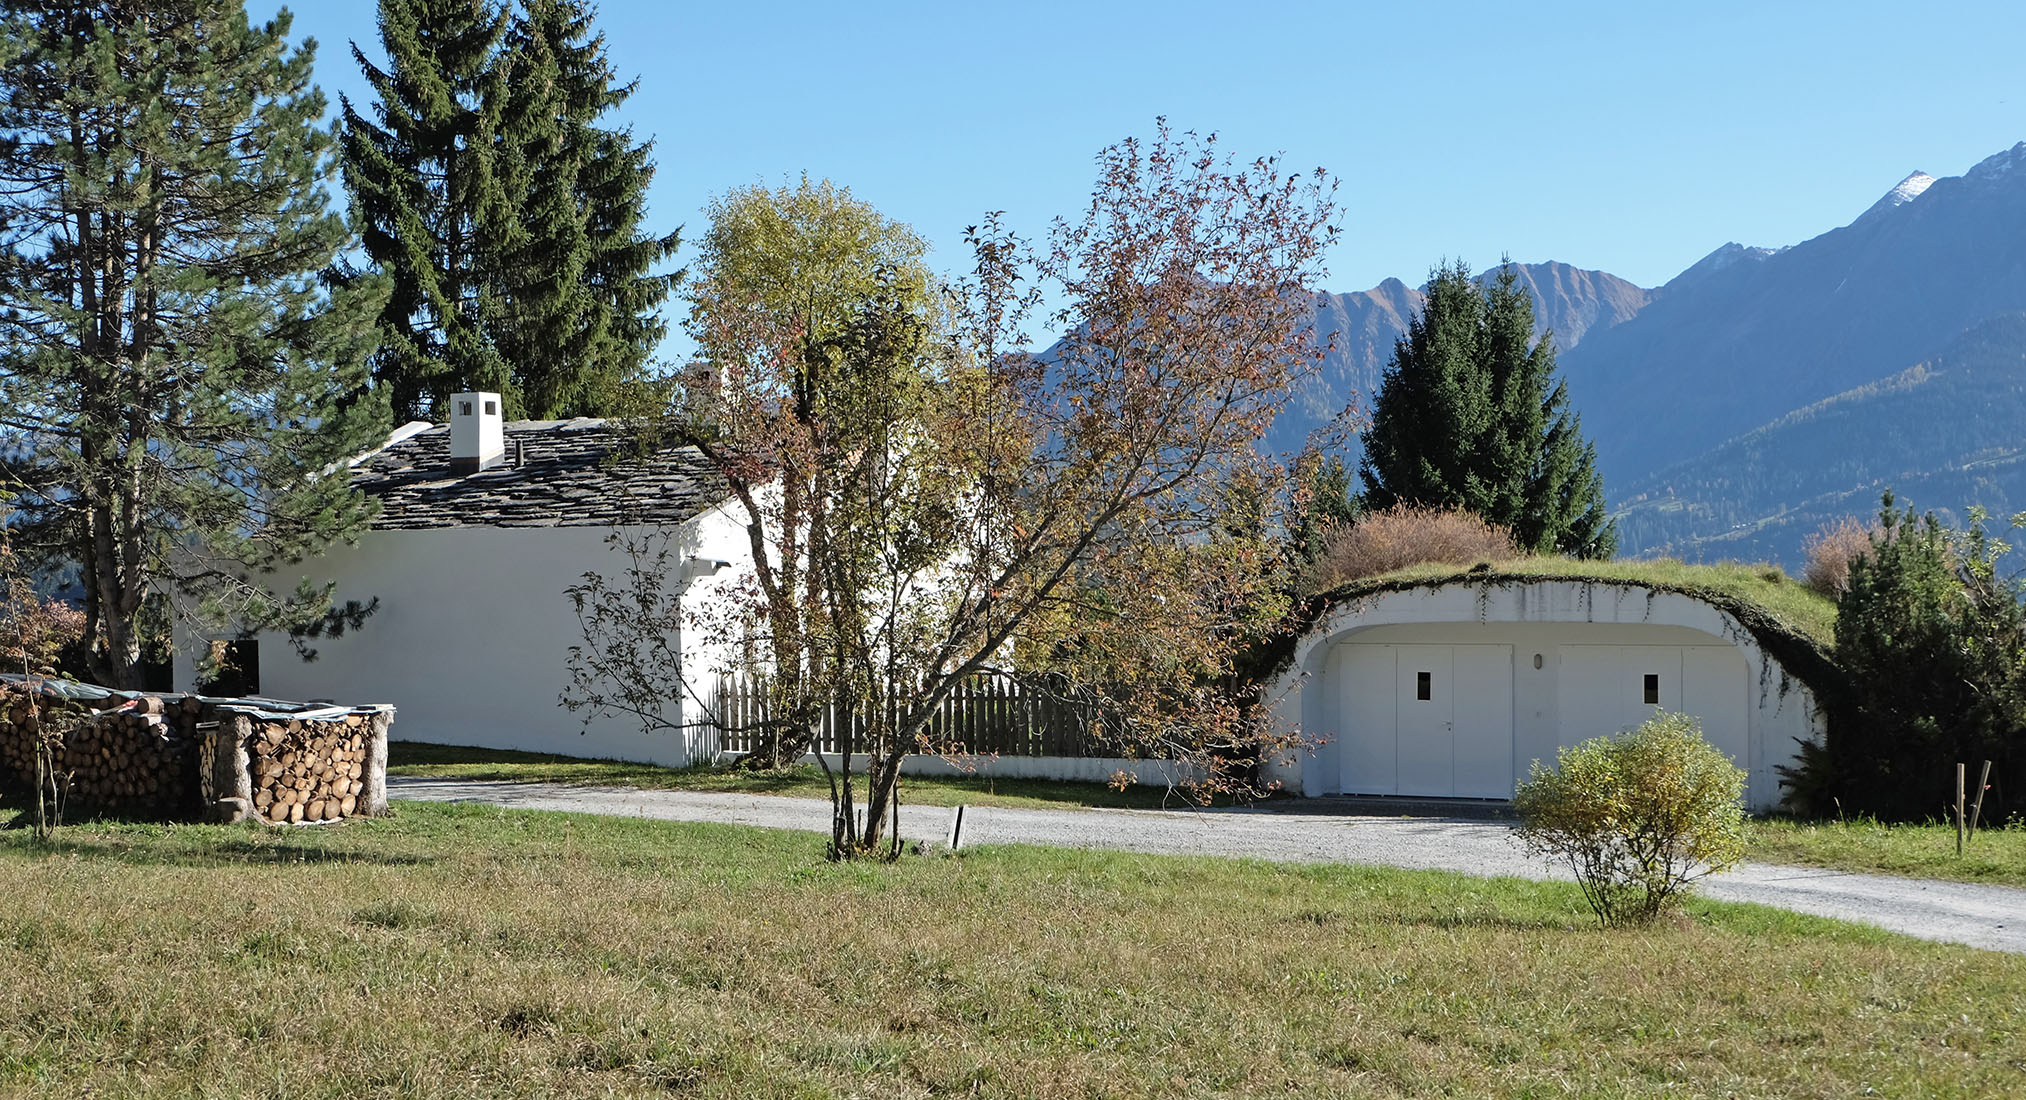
(472, 635)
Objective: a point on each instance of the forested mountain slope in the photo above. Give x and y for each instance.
(1945, 434)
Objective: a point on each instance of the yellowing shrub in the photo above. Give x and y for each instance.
(1640, 817)
(1405, 535)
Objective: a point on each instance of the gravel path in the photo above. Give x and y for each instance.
(1311, 831)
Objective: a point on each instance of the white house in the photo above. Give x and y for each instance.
(483, 525)
(1453, 688)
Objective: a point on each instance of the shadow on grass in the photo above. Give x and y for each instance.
(1573, 921)
(142, 841)
(222, 852)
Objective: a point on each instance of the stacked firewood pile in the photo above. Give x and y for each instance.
(308, 771)
(178, 756)
(126, 755)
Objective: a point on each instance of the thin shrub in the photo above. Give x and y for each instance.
(1830, 551)
(1640, 817)
(1404, 535)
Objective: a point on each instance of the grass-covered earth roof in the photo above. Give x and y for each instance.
(1790, 621)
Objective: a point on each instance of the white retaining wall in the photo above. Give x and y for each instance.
(1545, 618)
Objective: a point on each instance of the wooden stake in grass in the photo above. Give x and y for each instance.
(1977, 811)
(1959, 809)
(957, 827)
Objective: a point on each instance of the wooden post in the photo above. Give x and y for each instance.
(1977, 811)
(224, 778)
(957, 827)
(1959, 808)
(373, 799)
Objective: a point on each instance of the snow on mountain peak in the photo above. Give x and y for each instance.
(1909, 188)
(1905, 192)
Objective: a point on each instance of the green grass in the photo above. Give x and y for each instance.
(421, 759)
(1789, 602)
(1995, 855)
(472, 951)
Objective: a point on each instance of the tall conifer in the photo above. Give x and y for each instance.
(509, 217)
(1470, 415)
(429, 196)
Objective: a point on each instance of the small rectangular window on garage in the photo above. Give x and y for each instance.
(1423, 686)
(1653, 687)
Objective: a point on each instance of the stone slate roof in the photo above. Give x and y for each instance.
(557, 473)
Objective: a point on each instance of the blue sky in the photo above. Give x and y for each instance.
(1624, 136)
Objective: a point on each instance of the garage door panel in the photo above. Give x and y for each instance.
(1483, 711)
(1587, 693)
(1715, 687)
(1652, 682)
(1425, 690)
(1607, 689)
(1365, 737)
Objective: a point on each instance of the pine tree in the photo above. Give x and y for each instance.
(431, 199)
(177, 367)
(1469, 415)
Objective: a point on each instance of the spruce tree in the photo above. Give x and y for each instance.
(508, 216)
(587, 316)
(1469, 415)
(430, 198)
(175, 367)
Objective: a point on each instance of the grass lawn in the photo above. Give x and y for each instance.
(1920, 851)
(472, 951)
(416, 758)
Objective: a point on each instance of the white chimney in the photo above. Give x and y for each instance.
(477, 434)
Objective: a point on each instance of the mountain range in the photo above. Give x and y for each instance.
(1763, 391)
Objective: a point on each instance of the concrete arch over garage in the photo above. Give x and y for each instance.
(1453, 688)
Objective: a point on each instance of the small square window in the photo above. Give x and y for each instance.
(1652, 687)
(1423, 685)
(464, 408)
(492, 408)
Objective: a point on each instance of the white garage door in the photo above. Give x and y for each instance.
(1426, 720)
(1604, 689)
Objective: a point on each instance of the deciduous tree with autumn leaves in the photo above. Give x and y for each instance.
(928, 499)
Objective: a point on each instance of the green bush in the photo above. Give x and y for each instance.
(1640, 816)
(1931, 636)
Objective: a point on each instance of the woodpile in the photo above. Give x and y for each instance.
(172, 757)
(127, 756)
(308, 770)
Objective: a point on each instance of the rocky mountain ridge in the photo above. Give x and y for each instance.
(1897, 327)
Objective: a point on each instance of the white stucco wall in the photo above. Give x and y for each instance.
(472, 634)
(1549, 618)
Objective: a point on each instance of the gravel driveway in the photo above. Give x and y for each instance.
(1309, 831)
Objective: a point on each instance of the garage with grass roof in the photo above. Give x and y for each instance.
(1450, 685)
